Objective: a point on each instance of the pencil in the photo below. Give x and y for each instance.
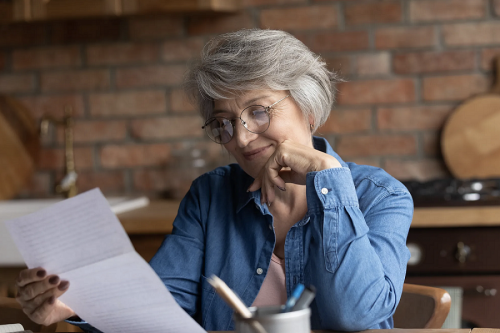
(229, 296)
(234, 301)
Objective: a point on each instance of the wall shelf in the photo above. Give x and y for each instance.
(47, 10)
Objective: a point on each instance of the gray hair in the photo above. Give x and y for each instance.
(252, 59)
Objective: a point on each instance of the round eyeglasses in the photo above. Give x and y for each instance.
(254, 118)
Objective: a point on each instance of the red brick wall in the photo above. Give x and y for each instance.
(407, 65)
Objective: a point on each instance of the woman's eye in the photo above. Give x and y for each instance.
(259, 113)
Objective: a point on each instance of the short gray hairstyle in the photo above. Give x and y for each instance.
(253, 59)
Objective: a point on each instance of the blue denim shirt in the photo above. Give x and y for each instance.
(351, 245)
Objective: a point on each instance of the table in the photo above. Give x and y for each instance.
(400, 330)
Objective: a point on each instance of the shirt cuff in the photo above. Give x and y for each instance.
(82, 324)
(331, 188)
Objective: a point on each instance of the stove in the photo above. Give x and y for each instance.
(455, 192)
(464, 258)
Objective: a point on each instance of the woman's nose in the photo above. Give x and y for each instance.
(241, 134)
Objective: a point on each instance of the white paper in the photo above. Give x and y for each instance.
(11, 209)
(11, 328)
(111, 286)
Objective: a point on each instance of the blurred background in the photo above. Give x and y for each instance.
(408, 64)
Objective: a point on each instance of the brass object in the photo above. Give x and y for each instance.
(463, 252)
(67, 186)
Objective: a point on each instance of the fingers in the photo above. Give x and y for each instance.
(27, 276)
(290, 163)
(34, 289)
(269, 179)
(43, 312)
(38, 295)
(46, 294)
(49, 308)
(30, 306)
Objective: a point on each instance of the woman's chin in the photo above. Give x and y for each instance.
(251, 168)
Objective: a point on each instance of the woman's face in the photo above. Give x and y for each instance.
(252, 150)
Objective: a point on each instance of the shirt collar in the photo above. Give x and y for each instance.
(319, 143)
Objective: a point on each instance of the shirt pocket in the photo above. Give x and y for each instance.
(207, 297)
(330, 239)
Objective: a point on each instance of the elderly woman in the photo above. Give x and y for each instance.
(290, 211)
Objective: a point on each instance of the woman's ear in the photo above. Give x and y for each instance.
(310, 118)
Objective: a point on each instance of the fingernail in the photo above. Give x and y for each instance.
(54, 280)
(63, 285)
(51, 300)
(41, 273)
(281, 188)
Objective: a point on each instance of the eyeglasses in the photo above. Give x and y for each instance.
(254, 118)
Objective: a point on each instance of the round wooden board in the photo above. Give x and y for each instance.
(471, 138)
(18, 147)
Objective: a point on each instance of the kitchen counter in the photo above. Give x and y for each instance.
(477, 216)
(157, 218)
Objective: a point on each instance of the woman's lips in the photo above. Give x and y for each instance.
(254, 153)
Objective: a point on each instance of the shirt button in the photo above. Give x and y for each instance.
(260, 271)
(324, 190)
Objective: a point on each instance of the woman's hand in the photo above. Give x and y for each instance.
(290, 163)
(38, 295)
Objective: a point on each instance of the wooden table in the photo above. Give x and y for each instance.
(400, 330)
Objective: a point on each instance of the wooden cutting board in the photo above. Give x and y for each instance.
(471, 136)
(19, 145)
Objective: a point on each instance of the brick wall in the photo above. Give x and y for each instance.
(407, 65)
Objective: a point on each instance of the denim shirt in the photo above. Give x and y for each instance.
(350, 245)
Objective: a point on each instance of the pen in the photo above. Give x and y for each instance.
(296, 293)
(234, 301)
(305, 299)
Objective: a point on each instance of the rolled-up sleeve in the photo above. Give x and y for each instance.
(363, 253)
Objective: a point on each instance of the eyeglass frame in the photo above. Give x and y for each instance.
(243, 122)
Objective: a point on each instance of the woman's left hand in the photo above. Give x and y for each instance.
(290, 163)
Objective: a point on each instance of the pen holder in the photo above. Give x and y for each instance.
(274, 321)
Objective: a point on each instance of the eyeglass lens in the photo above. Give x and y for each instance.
(255, 119)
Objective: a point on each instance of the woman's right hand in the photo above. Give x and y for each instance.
(38, 295)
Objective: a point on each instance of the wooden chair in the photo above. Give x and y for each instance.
(422, 307)
(11, 313)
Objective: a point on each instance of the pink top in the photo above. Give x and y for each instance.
(273, 290)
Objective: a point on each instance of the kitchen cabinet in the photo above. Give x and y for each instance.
(42, 10)
(461, 257)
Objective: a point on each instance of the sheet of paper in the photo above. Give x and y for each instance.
(111, 286)
(11, 328)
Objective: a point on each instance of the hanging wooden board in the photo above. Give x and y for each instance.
(18, 147)
(471, 136)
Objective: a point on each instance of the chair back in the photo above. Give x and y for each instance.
(12, 313)
(422, 307)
